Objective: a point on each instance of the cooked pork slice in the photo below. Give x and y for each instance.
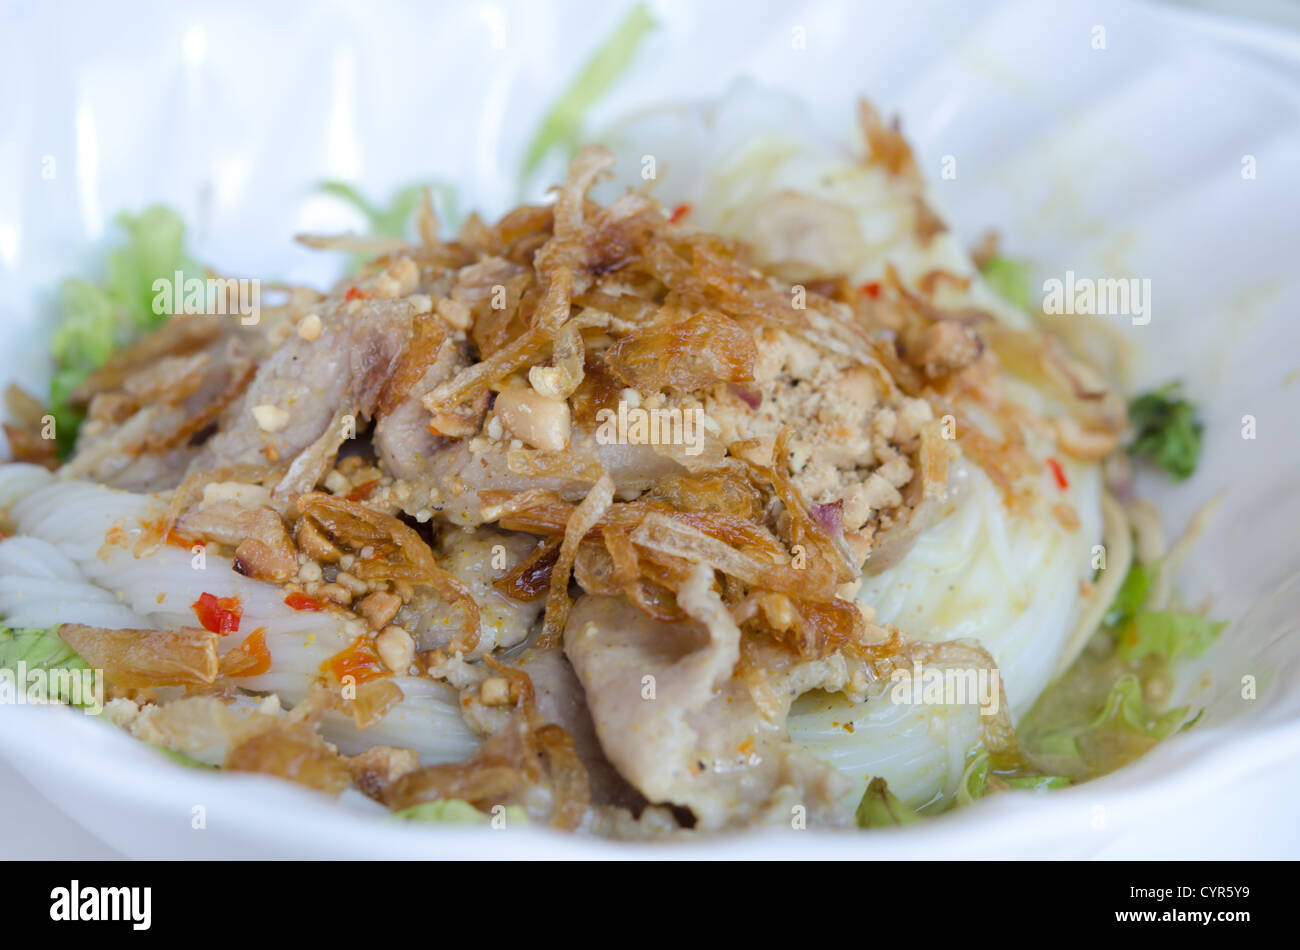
(681, 727)
(302, 387)
(456, 474)
(140, 435)
(560, 700)
(474, 559)
(406, 436)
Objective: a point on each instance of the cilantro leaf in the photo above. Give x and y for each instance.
(1168, 431)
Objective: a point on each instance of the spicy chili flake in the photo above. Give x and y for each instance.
(259, 656)
(871, 289)
(1059, 474)
(358, 660)
(300, 601)
(681, 211)
(218, 614)
(355, 293)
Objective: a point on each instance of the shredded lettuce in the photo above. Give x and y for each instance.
(881, 808)
(1036, 783)
(96, 318)
(979, 777)
(39, 650)
(1009, 279)
(561, 127)
(1168, 634)
(454, 811)
(1132, 594)
(1124, 722)
(975, 780)
(1168, 431)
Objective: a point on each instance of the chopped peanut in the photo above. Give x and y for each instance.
(270, 418)
(354, 584)
(309, 327)
(494, 691)
(334, 592)
(540, 421)
(395, 648)
(379, 608)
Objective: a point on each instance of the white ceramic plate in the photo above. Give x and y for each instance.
(1122, 161)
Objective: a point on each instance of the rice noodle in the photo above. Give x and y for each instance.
(1117, 536)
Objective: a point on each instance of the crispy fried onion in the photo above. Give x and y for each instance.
(189, 491)
(291, 748)
(885, 144)
(829, 552)
(647, 548)
(521, 754)
(398, 554)
(524, 350)
(583, 518)
(142, 658)
(531, 577)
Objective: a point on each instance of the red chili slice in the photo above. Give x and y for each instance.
(1059, 474)
(218, 614)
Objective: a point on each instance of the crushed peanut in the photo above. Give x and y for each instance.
(309, 327)
(395, 647)
(379, 608)
(270, 418)
(495, 691)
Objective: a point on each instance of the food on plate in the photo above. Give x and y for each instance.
(766, 503)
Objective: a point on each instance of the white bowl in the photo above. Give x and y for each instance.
(1121, 161)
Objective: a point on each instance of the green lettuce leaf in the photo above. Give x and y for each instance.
(454, 811)
(95, 319)
(1036, 783)
(39, 650)
(1168, 634)
(880, 808)
(561, 127)
(1009, 279)
(1124, 721)
(182, 759)
(979, 777)
(1168, 431)
(1132, 595)
(975, 780)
